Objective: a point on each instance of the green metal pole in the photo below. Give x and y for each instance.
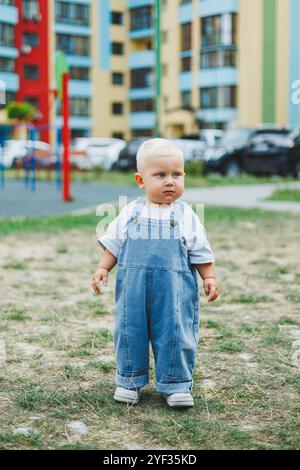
(157, 68)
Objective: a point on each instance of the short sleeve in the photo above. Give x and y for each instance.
(113, 238)
(198, 246)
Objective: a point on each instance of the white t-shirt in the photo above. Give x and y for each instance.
(192, 231)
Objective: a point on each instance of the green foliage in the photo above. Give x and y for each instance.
(21, 111)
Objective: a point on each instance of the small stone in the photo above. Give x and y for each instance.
(77, 427)
(295, 333)
(251, 365)
(27, 349)
(26, 431)
(248, 427)
(245, 356)
(206, 383)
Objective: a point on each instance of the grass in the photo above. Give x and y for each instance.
(60, 363)
(194, 177)
(292, 195)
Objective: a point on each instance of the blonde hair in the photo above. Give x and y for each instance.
(156, 148)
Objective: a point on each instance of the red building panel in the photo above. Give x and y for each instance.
(34, 61)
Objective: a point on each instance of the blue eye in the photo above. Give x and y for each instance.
(161, 174)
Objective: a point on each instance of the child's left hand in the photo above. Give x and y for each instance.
(211, 288)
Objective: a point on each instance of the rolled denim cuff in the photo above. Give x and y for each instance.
(131, 382)
(180, 387)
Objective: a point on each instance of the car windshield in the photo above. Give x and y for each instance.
(276, 139)
(235, 138)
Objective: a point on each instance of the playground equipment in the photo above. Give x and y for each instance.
(27, 157)
(63, 171)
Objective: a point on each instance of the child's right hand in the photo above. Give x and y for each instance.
(101, 275)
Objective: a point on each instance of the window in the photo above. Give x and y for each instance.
(117, 78)
(117, 48)
(7, 2)
(186, 36)
(186, 64)
(142, 132)
(117, 135)
(33, 100)
(219, 58)
(7, 37)
(73, 45)
(80, 73)
(218, 30)
(116, 17)
(73, 13)
(117, 108)
(218, 97)
(31, 9)
(31, 72)
(30, 39)
(141, 105)
(7, 65)
(141, 18)
(186, 99)
(141, 78)
(80, 106)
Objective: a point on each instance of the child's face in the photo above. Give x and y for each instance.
(162, 179)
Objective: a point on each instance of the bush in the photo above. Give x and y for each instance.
(194, 168)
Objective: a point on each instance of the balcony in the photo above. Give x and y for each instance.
(141, 59)
(218, 7)
(186, 14)
(220, 76)
(217, 114)
(8, 14)
(11, 80)
(142, 120)
(139, 3)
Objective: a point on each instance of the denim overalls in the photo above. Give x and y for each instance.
(157, 300)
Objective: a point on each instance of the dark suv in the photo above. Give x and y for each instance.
(262, 151)
(127, 156)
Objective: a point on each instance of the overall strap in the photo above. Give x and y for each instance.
(137, 207)
(177, 212)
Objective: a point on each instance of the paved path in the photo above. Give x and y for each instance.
(244, 196)
(18, 201)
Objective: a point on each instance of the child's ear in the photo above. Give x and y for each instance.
(139, 179)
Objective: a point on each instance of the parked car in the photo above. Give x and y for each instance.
(265, 150)
(127, 156)
(192, 149)
(16, 151)
(96, 152)
(210, 137)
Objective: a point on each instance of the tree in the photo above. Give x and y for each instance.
(21, 111)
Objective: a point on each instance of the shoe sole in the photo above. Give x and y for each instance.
(122, 399)
(182, 404)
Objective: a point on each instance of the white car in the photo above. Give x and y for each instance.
(96, 152)
(211, 137)
(192, 149)
(15, 150)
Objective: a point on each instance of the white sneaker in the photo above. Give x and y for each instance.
(124, 395)
(179, 400)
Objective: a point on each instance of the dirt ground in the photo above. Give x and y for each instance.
(57, 358)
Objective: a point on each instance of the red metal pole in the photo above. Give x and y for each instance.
(66, 137)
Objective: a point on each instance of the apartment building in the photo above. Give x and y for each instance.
(223, 63)
(9, 79)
